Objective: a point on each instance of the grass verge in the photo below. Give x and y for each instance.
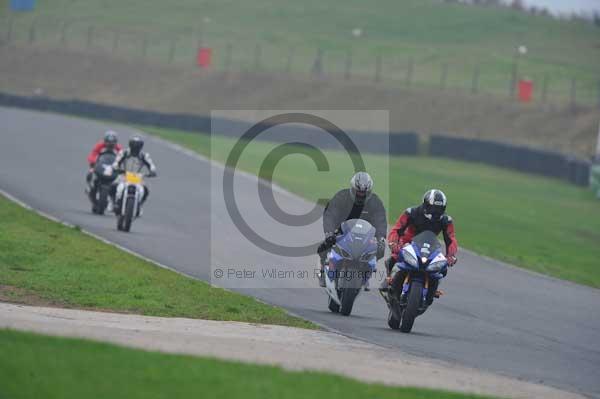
(537, 223)
(46, 263)
(36, 366)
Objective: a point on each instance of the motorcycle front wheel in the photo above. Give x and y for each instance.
(347, 299)
(128, 217)
(412, 307)
(332, 305)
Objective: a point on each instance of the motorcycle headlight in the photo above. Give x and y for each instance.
(343, 252)
(366, 256)
(436, 266)
(410, 258)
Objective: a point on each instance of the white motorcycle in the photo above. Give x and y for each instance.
(130, 192)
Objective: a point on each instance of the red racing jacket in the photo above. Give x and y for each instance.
(98, 148)
(414, 221)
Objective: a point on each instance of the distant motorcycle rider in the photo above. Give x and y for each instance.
(357, 202)
(133, 159)
(429, 216)
(109, 143)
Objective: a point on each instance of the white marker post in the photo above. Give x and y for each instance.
(597, 155)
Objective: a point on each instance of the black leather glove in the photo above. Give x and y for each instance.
(152, 174)
(330, 239)
(380, 248)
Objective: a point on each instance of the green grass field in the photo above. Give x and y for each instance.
(44, 262)
(35, 366)
(538, 223)
(427, 33)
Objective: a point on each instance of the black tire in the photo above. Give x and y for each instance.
(393, 322)
(102, 200)
(412, 308)
(128, 216)
(332, 305)
(348, 297)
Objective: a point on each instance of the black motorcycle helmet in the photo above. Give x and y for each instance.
(136, 143)
(434, 203)
(110, 140)
(361, 186)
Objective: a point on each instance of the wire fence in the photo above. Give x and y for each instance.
(180, 48)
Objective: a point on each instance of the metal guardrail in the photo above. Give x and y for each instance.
(520, 158)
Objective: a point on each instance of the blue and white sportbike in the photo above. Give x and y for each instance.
(408, 295)
(350, 263)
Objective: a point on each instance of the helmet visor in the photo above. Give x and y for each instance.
(360, 196)
(435, 210)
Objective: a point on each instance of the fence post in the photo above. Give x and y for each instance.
(172, 48)
(317, 68)
(348, 66)
(228, 56)
(573, 93)
(409, 72)
(443, 76)
(514, 76)
(257, 56)
(115, 44)
(378, 66)
(32, 31)
(90, 36)
(290, 59)
(63, 34)
(475, 81)
(10, 30)
(144, 46)
(545, 89)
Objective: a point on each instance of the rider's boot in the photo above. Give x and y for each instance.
(323, 259)
(385, 284)
(434, 292)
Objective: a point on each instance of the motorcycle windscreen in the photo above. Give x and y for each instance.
(358, 238)
(427, 243)
(106, 158)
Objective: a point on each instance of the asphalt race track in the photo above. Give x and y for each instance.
(494, 317)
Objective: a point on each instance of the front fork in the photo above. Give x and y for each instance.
(406, 287)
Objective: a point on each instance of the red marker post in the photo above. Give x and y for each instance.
(525, 90)
(204, 57)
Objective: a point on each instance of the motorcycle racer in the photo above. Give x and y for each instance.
(133, 159)
(357, 202)
(109, 143)
(431, 216)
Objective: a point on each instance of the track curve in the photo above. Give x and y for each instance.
(495, 317)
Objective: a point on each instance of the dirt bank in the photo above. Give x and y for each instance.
(99, 77)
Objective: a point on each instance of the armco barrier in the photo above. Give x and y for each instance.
(523, 159)
(399, 143)
(519, 158)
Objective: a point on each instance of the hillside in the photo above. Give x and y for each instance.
(105, 79)
(429, 42)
